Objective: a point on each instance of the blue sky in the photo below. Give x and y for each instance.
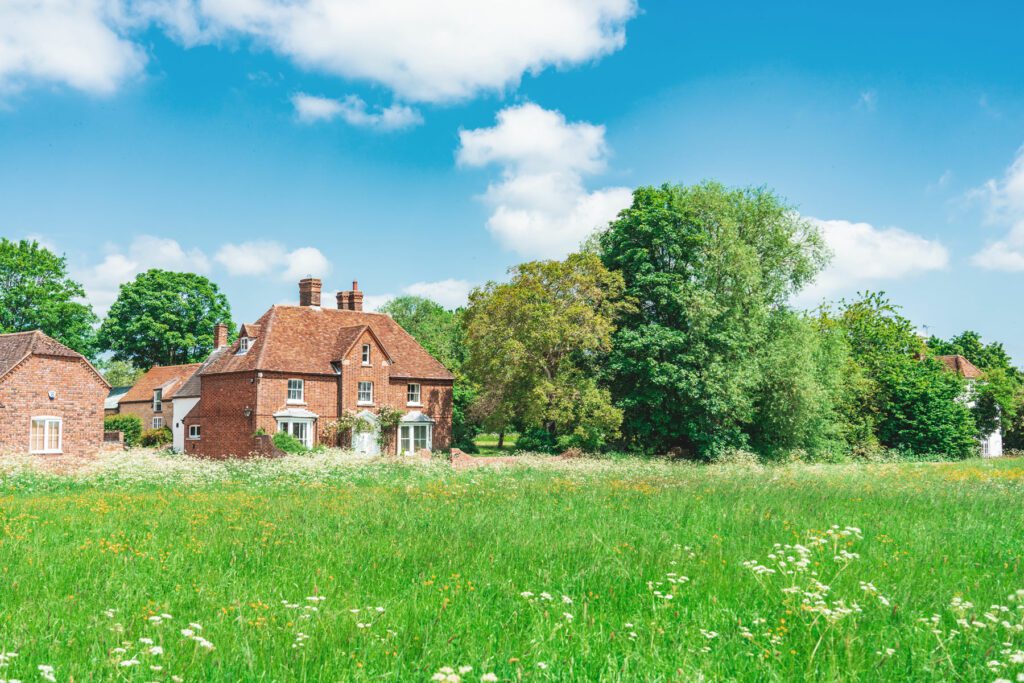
(426, 147)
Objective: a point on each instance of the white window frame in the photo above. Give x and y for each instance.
(157, 419)
(48, 421)
(244, 343)
(284, 424)
(367, 355)
(414, 397)
(407, 437)
(194, 432)
(158, 400)
(360, 401)
(296, 391)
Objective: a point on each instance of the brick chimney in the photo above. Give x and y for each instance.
(220, 335)
(309, 292)
(351, 300)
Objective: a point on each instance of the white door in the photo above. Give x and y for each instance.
(365, 442)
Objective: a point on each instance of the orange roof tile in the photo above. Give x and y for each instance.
(961, 366)
(170, 378)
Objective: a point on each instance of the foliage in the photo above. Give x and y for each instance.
(36, 293)
(164, 318)
(706, 265)
(529, 343)
(161, 436)
(341, 430)
(464, 427)
(288, 443)
(130, 427)
(388, 419)
(434, 327)
(119, 373)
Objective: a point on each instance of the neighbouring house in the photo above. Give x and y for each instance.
(991, 445)
(297, 369)
(152, 396)
(110, 403)
(186, 398)
(51, 398)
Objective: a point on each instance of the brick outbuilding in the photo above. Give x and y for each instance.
(51, 398)
(151, 398)
(299, 368)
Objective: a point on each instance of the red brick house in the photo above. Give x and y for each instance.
(51, 398)
(299, 368)
(151, 396)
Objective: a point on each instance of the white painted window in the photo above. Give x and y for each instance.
(193, 431)
(158, 422)
(301, 429)
(412, 395)
(413, 438)
(158, 400)
(243, 344)
(365, 395)
(366, 354)
(296, 391)
(46, 435)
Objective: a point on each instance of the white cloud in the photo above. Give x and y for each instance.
(541, 207)
(264, 256)
(422, 51)
(373, 302)
(864, 256)
(1003, 200)
(354, 111)
(449, 293)
(78, 43)
(102, 280)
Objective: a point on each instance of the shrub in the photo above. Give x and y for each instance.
(155, 438)
(288, 443)
(129, 425)
(536, 441)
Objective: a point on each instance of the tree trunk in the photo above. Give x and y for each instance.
(501, 440)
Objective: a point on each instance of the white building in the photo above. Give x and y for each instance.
(991, 445)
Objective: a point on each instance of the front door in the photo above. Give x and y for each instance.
(365, 442)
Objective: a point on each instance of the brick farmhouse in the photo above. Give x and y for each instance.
(299, 368)
(51, 398)
(151, 398)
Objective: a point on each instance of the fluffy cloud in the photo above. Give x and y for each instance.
(102, 280)
(78, 43)
(864, 255)
(449, 293)
(422, 51)
(541, 207)
(353, 110)
(1003, 200)
(263, 257)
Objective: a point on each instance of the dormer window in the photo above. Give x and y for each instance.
(243, 344)
(158, 400)
(366, 354)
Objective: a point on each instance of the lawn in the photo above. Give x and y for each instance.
(488, 444)
(323, 568)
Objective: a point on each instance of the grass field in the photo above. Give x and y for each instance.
(157, 568)
(488, 444)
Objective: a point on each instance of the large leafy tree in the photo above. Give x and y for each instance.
(164, 318)
(706, 265)
(36, 293)
(530, 347)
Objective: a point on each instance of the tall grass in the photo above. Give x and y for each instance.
(328, 568)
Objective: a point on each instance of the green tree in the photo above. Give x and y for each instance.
(119, 373)
(164, 318)
(36, 293)
(529, 342)
(433, 326)
(706, 265)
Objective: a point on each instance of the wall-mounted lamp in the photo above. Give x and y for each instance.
(52, 395)
(247, 412)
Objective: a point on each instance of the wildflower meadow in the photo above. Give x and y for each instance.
(154, 567)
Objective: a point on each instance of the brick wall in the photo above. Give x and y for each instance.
(144, 409)
(224, 429)
(24, 393)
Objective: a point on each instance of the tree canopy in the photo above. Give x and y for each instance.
(164, 318)
(433, 326)
(36, 293)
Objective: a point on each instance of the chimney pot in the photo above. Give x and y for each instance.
(309, 291)
(355, 285)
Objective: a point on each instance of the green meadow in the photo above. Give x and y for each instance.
(150, 567)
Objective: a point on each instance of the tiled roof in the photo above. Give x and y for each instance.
(17, 346)
(170, 378)
(190, 389)
(306, 339)
(961, 366)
